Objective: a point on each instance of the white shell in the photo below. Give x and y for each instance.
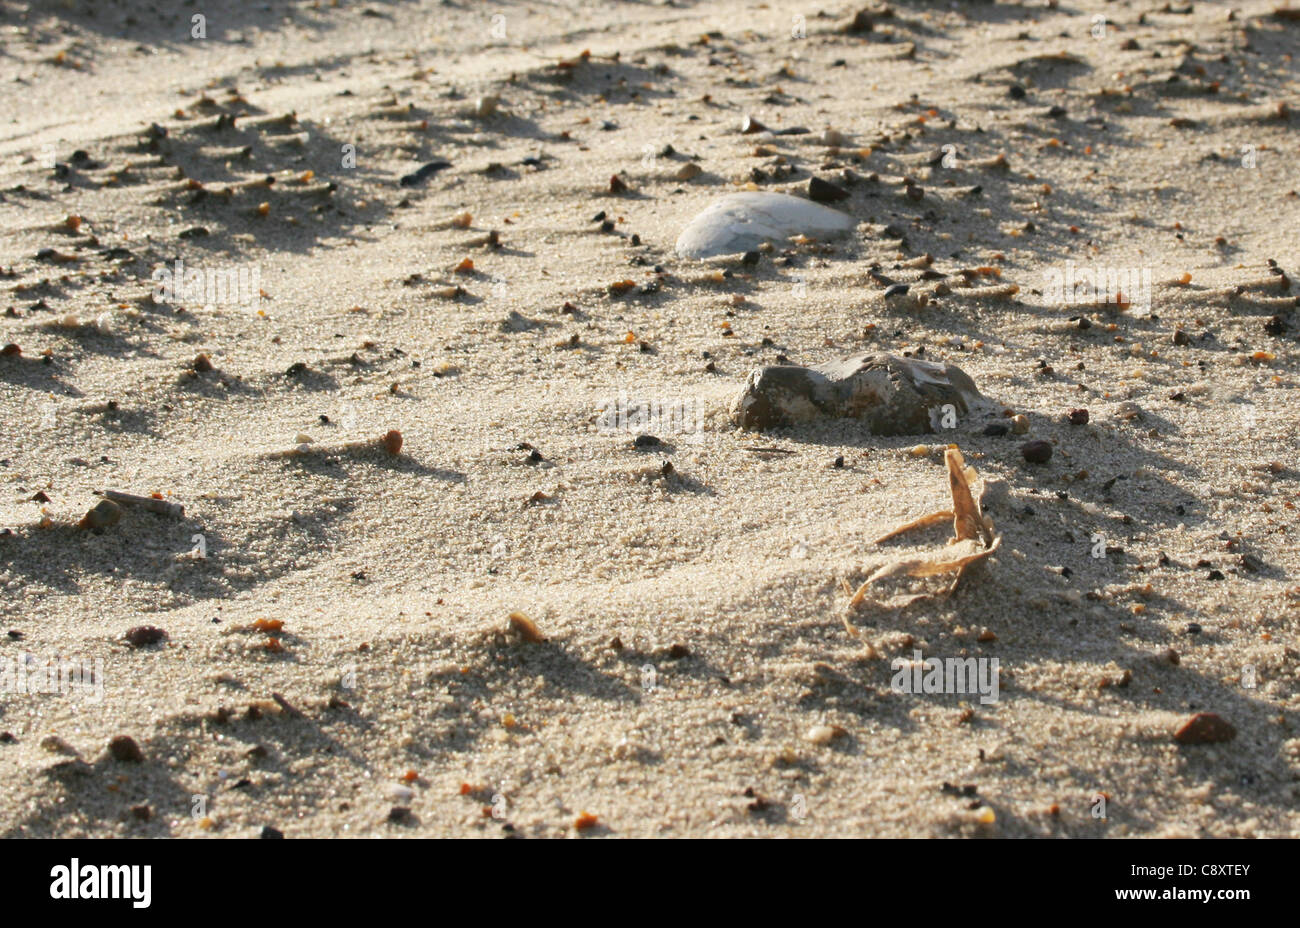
(743, 221)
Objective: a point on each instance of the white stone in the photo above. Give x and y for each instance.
(741, 222)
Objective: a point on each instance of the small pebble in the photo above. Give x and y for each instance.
(824, 734)
(417, 177)
(822, 191)
(526, 628)
(105, 514)
(124, 748)
(1036, 451)
(56, 745)
(1205, 728)
(688, 171)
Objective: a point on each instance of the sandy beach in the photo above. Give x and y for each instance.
(444, 524)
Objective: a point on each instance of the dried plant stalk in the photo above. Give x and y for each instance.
(973, 539)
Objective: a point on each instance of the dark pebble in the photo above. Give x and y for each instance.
(423, 173)
(646, 441)
(823, 191)
(1016, 92)
(271, 833)
(1193, 628)
(996, 429)
(895, 290)
(861, 23)
(1036, 451)
(1205, 728)
(1078, 417)
(124, 748)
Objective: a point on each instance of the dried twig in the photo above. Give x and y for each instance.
(151, 503)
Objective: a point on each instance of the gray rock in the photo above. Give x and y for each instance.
(891, 395)
(741, 222)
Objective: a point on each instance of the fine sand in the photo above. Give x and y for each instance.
(697, 677)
